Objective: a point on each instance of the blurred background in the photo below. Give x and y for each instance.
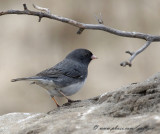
(28, 47)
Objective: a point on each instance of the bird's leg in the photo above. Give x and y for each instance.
(69, 100)
(55, 101)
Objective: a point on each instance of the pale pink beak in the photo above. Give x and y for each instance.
(94, 57)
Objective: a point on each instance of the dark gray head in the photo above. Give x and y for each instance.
(81, 55)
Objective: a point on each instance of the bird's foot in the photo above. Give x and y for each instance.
(72, 101)
(58, 105)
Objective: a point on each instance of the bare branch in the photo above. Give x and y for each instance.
(102, 27)
(44, 12)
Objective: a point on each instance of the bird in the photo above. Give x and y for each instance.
(66, 77)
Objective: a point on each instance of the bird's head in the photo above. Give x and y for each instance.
(83, 56)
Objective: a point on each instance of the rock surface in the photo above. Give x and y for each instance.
(134, 109)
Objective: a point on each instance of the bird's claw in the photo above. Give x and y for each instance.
(72, 101)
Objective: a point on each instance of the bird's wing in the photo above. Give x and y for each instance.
(63, 68)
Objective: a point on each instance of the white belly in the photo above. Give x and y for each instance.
(72, 89)
(52, 89)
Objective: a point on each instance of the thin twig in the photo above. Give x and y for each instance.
(99, 19)
(80, 30)
(25, 7)
(82, 26)
(140, 50)
(134, 54)
(130, 53)
(41, 9)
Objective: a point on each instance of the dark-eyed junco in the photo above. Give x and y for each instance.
(65, 78)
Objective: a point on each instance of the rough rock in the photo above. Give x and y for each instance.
(133, 109)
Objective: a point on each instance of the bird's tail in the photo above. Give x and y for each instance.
(21, 79)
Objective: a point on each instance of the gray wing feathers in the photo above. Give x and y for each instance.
(62, 69)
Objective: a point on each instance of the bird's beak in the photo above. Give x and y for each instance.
(94, 57)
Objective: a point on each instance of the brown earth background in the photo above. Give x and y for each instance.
(28, 47)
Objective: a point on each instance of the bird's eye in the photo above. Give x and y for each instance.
(87, 55)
